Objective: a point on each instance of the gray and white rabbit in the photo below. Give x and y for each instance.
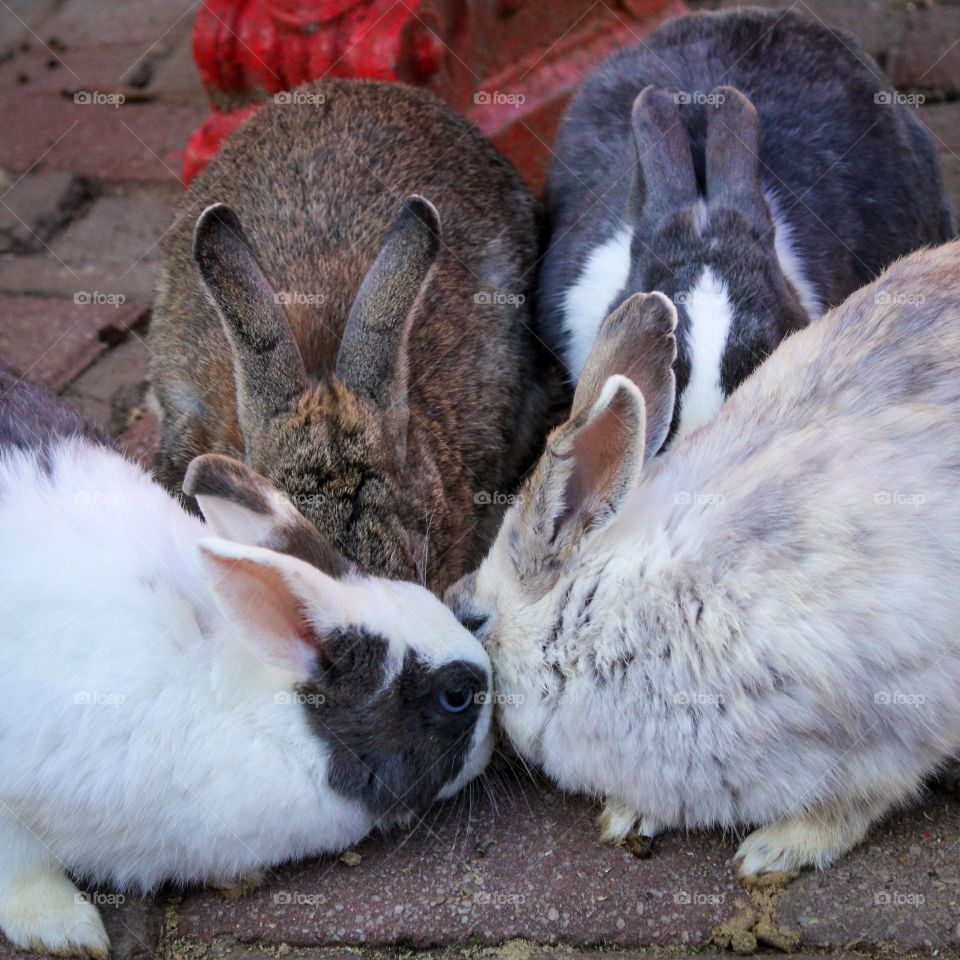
(187, 702)
(755, 166)
(760, 627)
(351, 314)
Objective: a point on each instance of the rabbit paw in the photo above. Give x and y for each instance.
(243, 885)
(619, 821)
(47, 913)
(814, 840)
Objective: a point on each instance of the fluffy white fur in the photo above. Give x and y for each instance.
(588, 301)
(763, 629)
(711, 315)
(149, 728)
(790, 258)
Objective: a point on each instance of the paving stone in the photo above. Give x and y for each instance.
(34, 206)
(927, 56)
(141, 439)
(514, 950)
(175, 78)
(114, 250)
(535, 870)
(105, 68)
(134, 141)
(92, 22)
(901, 889)
(108, 390)
(943, 121)
(53, 340)
(20, 20)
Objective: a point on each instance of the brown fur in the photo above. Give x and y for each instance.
(317, 188)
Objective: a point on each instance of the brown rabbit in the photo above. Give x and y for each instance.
(379, 368)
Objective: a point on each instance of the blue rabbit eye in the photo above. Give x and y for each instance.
(456, 701)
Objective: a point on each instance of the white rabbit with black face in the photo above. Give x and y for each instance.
(187, 702)
(758, 628)
(754, 165)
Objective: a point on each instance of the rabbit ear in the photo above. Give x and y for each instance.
(665, 162)
(267, 364)
(373, 352)
(638, 341)
(240, 505)
(733, 156)
(280, 607)
(592, 463)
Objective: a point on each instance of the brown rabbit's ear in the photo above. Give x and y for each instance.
(637, 341)
(664, 160)
(733, 156)
(240, 505)
(268, 367)
(373, 353)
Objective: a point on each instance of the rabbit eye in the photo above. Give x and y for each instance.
(456, 701)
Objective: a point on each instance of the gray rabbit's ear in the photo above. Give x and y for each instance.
(240, 505)
(373, 352)
(638, 341)
(666, 181)
(733, 156)
(590, 466)
(268, 367)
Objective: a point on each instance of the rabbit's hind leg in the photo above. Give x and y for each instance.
(40, 907)
(816, 839)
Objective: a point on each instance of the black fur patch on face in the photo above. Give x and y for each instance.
(393, 748)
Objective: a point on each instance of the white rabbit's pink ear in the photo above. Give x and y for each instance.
(240, 505)
(277, 605)
(592, 463)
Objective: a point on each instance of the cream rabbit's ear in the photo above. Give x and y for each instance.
(637, 341)
(590, 465)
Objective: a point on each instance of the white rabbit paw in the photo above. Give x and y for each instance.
(619, 821)
(243, 885)
(48, 913)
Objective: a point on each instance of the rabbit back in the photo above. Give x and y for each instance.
(759, 623)
(807, 540)
(31, 417)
